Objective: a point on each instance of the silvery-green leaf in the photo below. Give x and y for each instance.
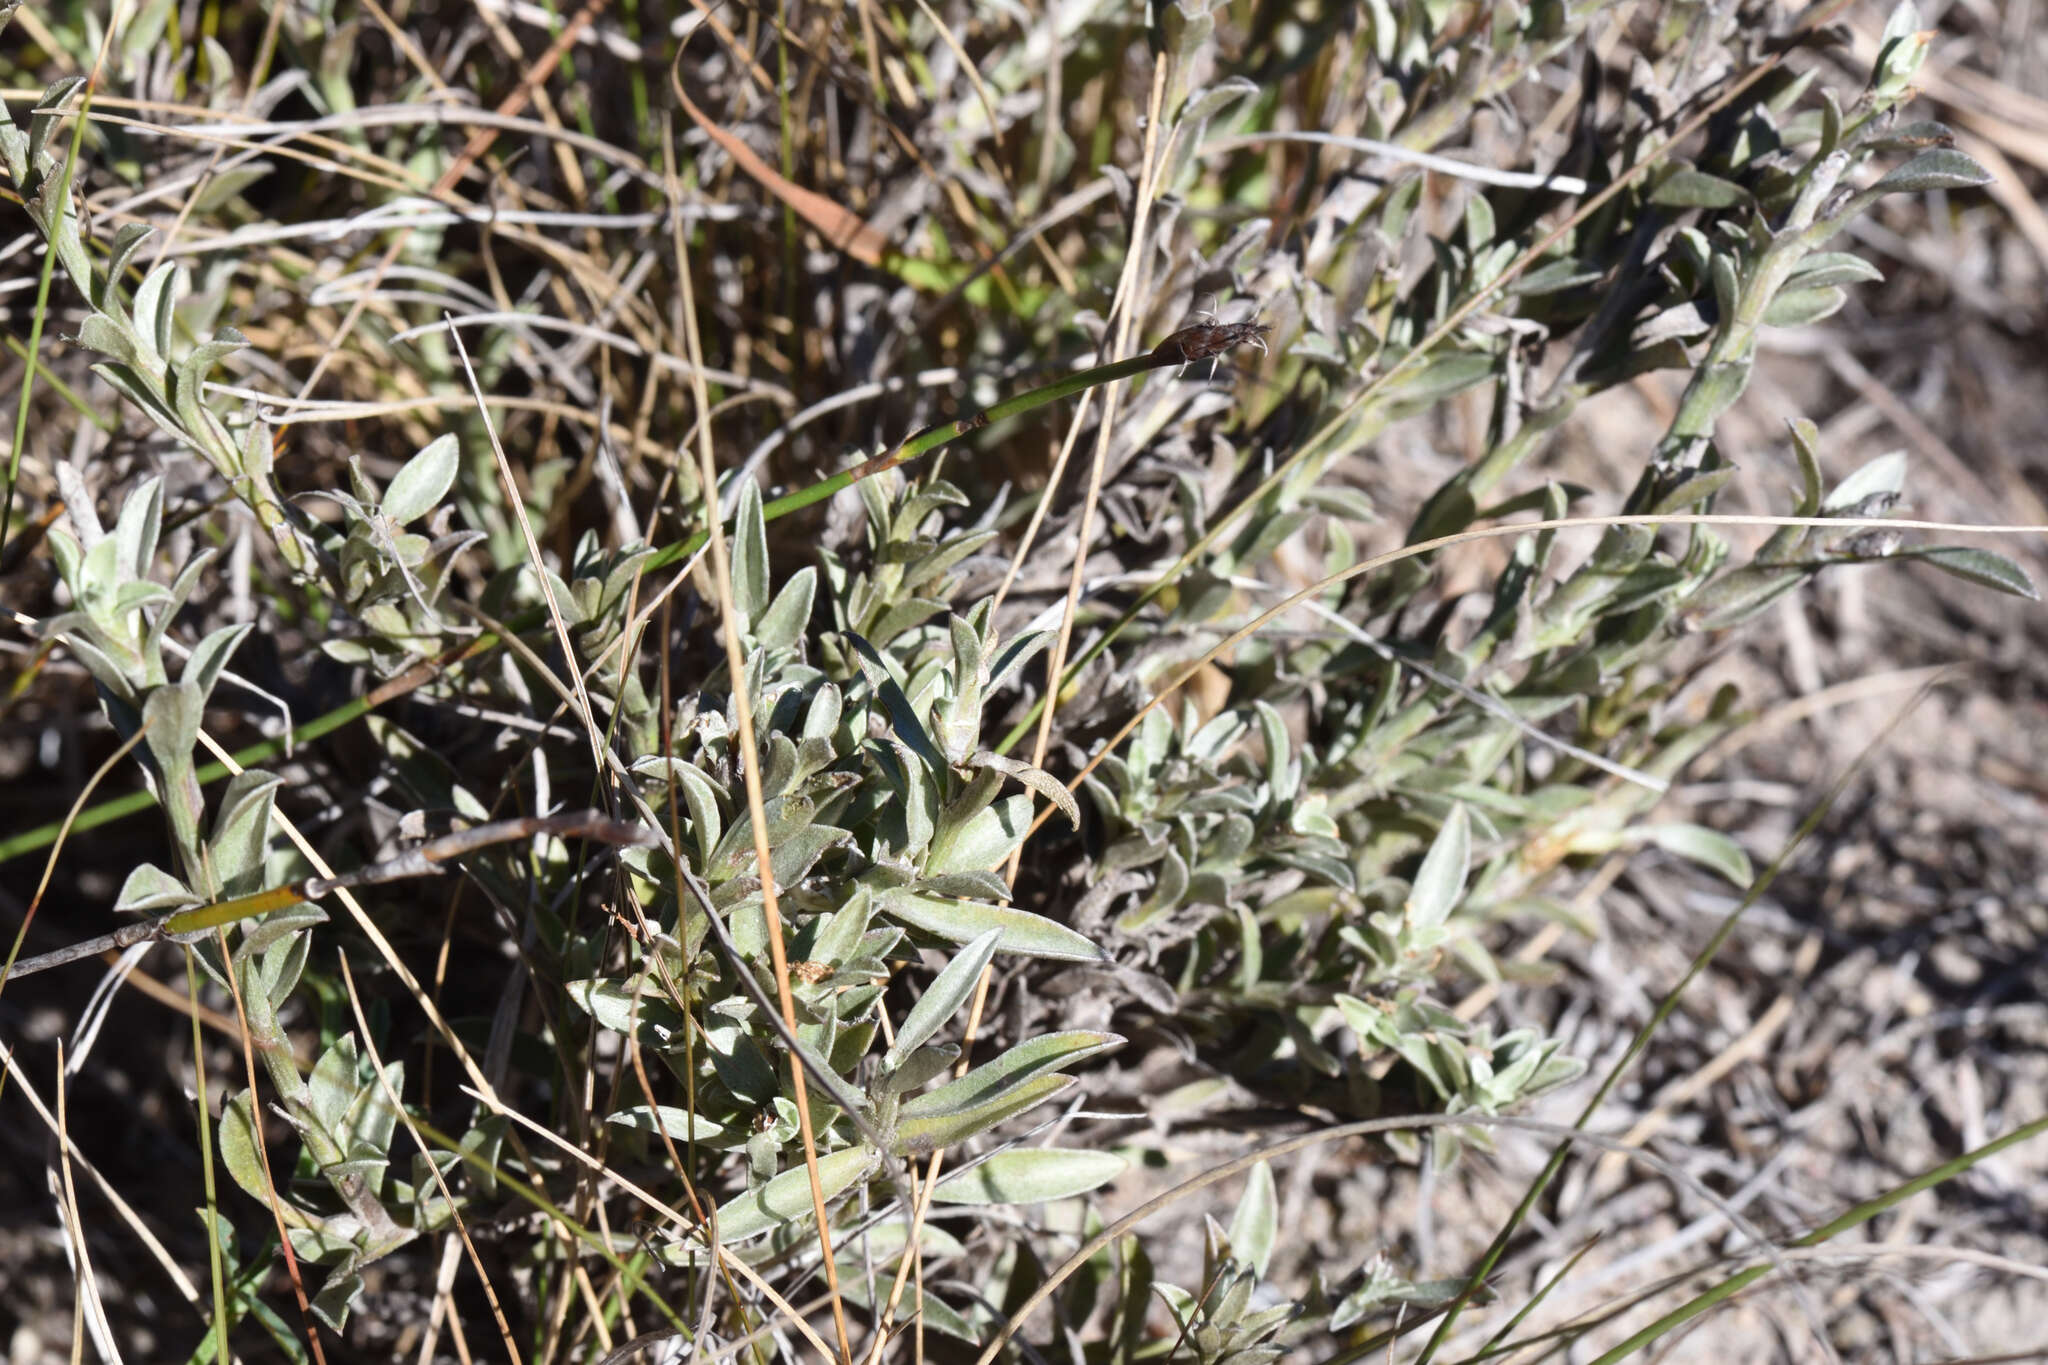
(241, 831)
(210, 656)
(13, 141)
(1833, 268)
(942, 999)
(1982, 567)
(372, 1119)
(920, 1067)
(903, 718)
(1885, 475)
(617, 1006)
(749, 558)
(1438, 378)
(700, 794)
(966, 886)
(1806, 448)
(1743, 594)
(821, 719)
(1167, 893)
(935, 1314)
(187, 383)
(1718, 386)
(1187, 26)
(336, 1296)
(1273, 731)
(1554, 276)
(983, 842)
(1800, 307)
(327, 1237)
(150, 890)
(793, 855)
(423, 481)
(100, 574)
(333, 1086)
(1039, 780)
(118, 680)
(1215, 739)
(133, 383)
(1205, 104)
(1251, 951)
(787, 1198)
(679, 1124)
(1709, 848)
(128, 239)
(782, 625)
(1694, 189)
(70, 557)
(904, 617)
(1032, 1175)
(1938, 168)
(1725, 274)
(1676, 323)
(1384, 1291)
(141, 520)
(181, 590)
(173, 713)
(1038, 1056)
(347, 652)
(1903, 21)
(1694, 490)
(43, 117)
(261, 935)
(155, 302)
(964, 921)
(927, 571)
(839, 936)
(919, 1134)
(959, 712)
(787, 817)
(238, 1148)
(54, 207)
(1179, 1302)
(1440, 882)
(130, 598)
(1255, 1226)
(1015, 655)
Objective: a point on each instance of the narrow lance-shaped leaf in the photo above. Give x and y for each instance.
(1255, 1226)
(787, 1197)
(1981, 567)
(422, 481)
(948, 991)
(965, 921)
(1039, 1056)
(1032, 1175)
(902, 716)
(918, 1135)
(749, 557)
(1440, 883)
